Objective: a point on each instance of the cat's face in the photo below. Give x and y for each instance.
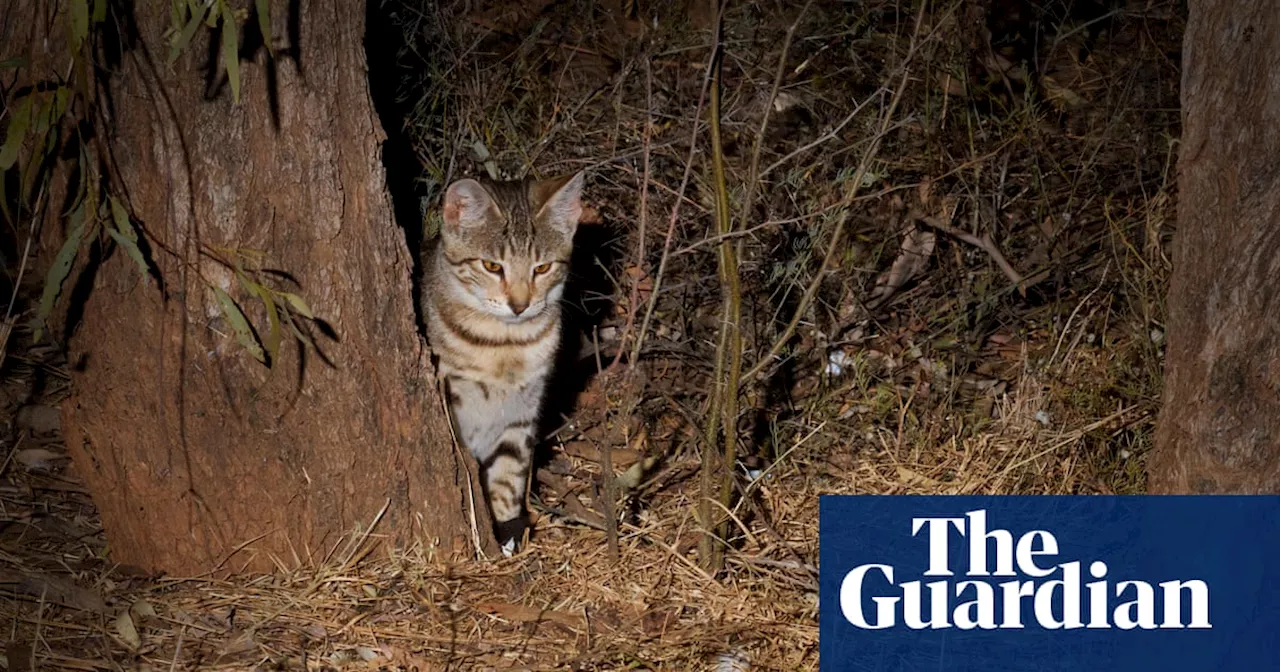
(508, 243)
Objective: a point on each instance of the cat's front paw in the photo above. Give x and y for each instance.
(510, 534)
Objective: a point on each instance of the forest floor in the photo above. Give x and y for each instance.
(1001, 177)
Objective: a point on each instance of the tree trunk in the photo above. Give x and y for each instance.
(199, 457)
(1219, 430)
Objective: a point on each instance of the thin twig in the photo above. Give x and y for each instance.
(983, 243)
(753, 176)
(825, 137)
(851, 192)
(675, 209)
(643, 226)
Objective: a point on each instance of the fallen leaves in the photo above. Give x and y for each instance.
(914, 253)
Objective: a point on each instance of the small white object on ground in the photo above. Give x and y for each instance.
(837, 361)
(733, 661)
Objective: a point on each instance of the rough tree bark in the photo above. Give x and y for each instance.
(1219, 430)
(198, 457)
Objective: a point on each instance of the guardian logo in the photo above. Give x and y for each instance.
(1053, 595)
(1049, 583)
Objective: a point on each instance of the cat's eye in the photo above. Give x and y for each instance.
(541, 268)
(491, 266)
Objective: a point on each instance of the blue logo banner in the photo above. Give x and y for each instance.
(1040, 584)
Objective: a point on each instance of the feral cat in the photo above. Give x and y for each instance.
(491, 300)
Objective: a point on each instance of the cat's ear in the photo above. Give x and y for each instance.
(559, 201)
(466, 203)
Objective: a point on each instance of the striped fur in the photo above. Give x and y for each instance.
(491, 299)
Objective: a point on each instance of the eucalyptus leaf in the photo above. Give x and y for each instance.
(13, 63)
(128, 631)
(231, 51)
(272, 342)
(79, 11)
(121, 218)
(61, 98)
(241, 325)
(299, 305)
(18, 125)
(131, 249)
(184, 38)
(99, 11)
(177, 16)
(61, 267)
(273, 322)
(264, 23)
(43, 116)
(298, 332)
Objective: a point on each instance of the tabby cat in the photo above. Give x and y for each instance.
(491, 298)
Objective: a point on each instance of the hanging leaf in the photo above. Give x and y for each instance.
(264, 23)
(241, 326)
(99, 11)
(231, 51)
(18, 124)
(121, 219)
(126, 237)
(43, 145)
(60, 268)
(43, 116)
(13, 63)
(299, 305)
(61, 98)
(184, 38)
(273, 317)
(131, 249)
(79, 23)
(177, 19)
(298, 332)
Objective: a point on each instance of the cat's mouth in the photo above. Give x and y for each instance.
(509, 317)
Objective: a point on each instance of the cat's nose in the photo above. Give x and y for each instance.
(518, 305)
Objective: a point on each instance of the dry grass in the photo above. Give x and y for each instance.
(1051, 137)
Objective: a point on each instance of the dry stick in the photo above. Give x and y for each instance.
(644, 221)
(983, 243)
(753, 177)
(733, 314)
(829, 135)
(609, 486)
(722, 415)
(675, 211)
(851, 192)
(723, 406)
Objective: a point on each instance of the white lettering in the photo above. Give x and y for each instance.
(978, 537)
(851, 598)
(912, 604)
(1027, 552)
(938, 565)
(1139, 613)
(1070, 585)
(979, 612)
(1173, 603)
